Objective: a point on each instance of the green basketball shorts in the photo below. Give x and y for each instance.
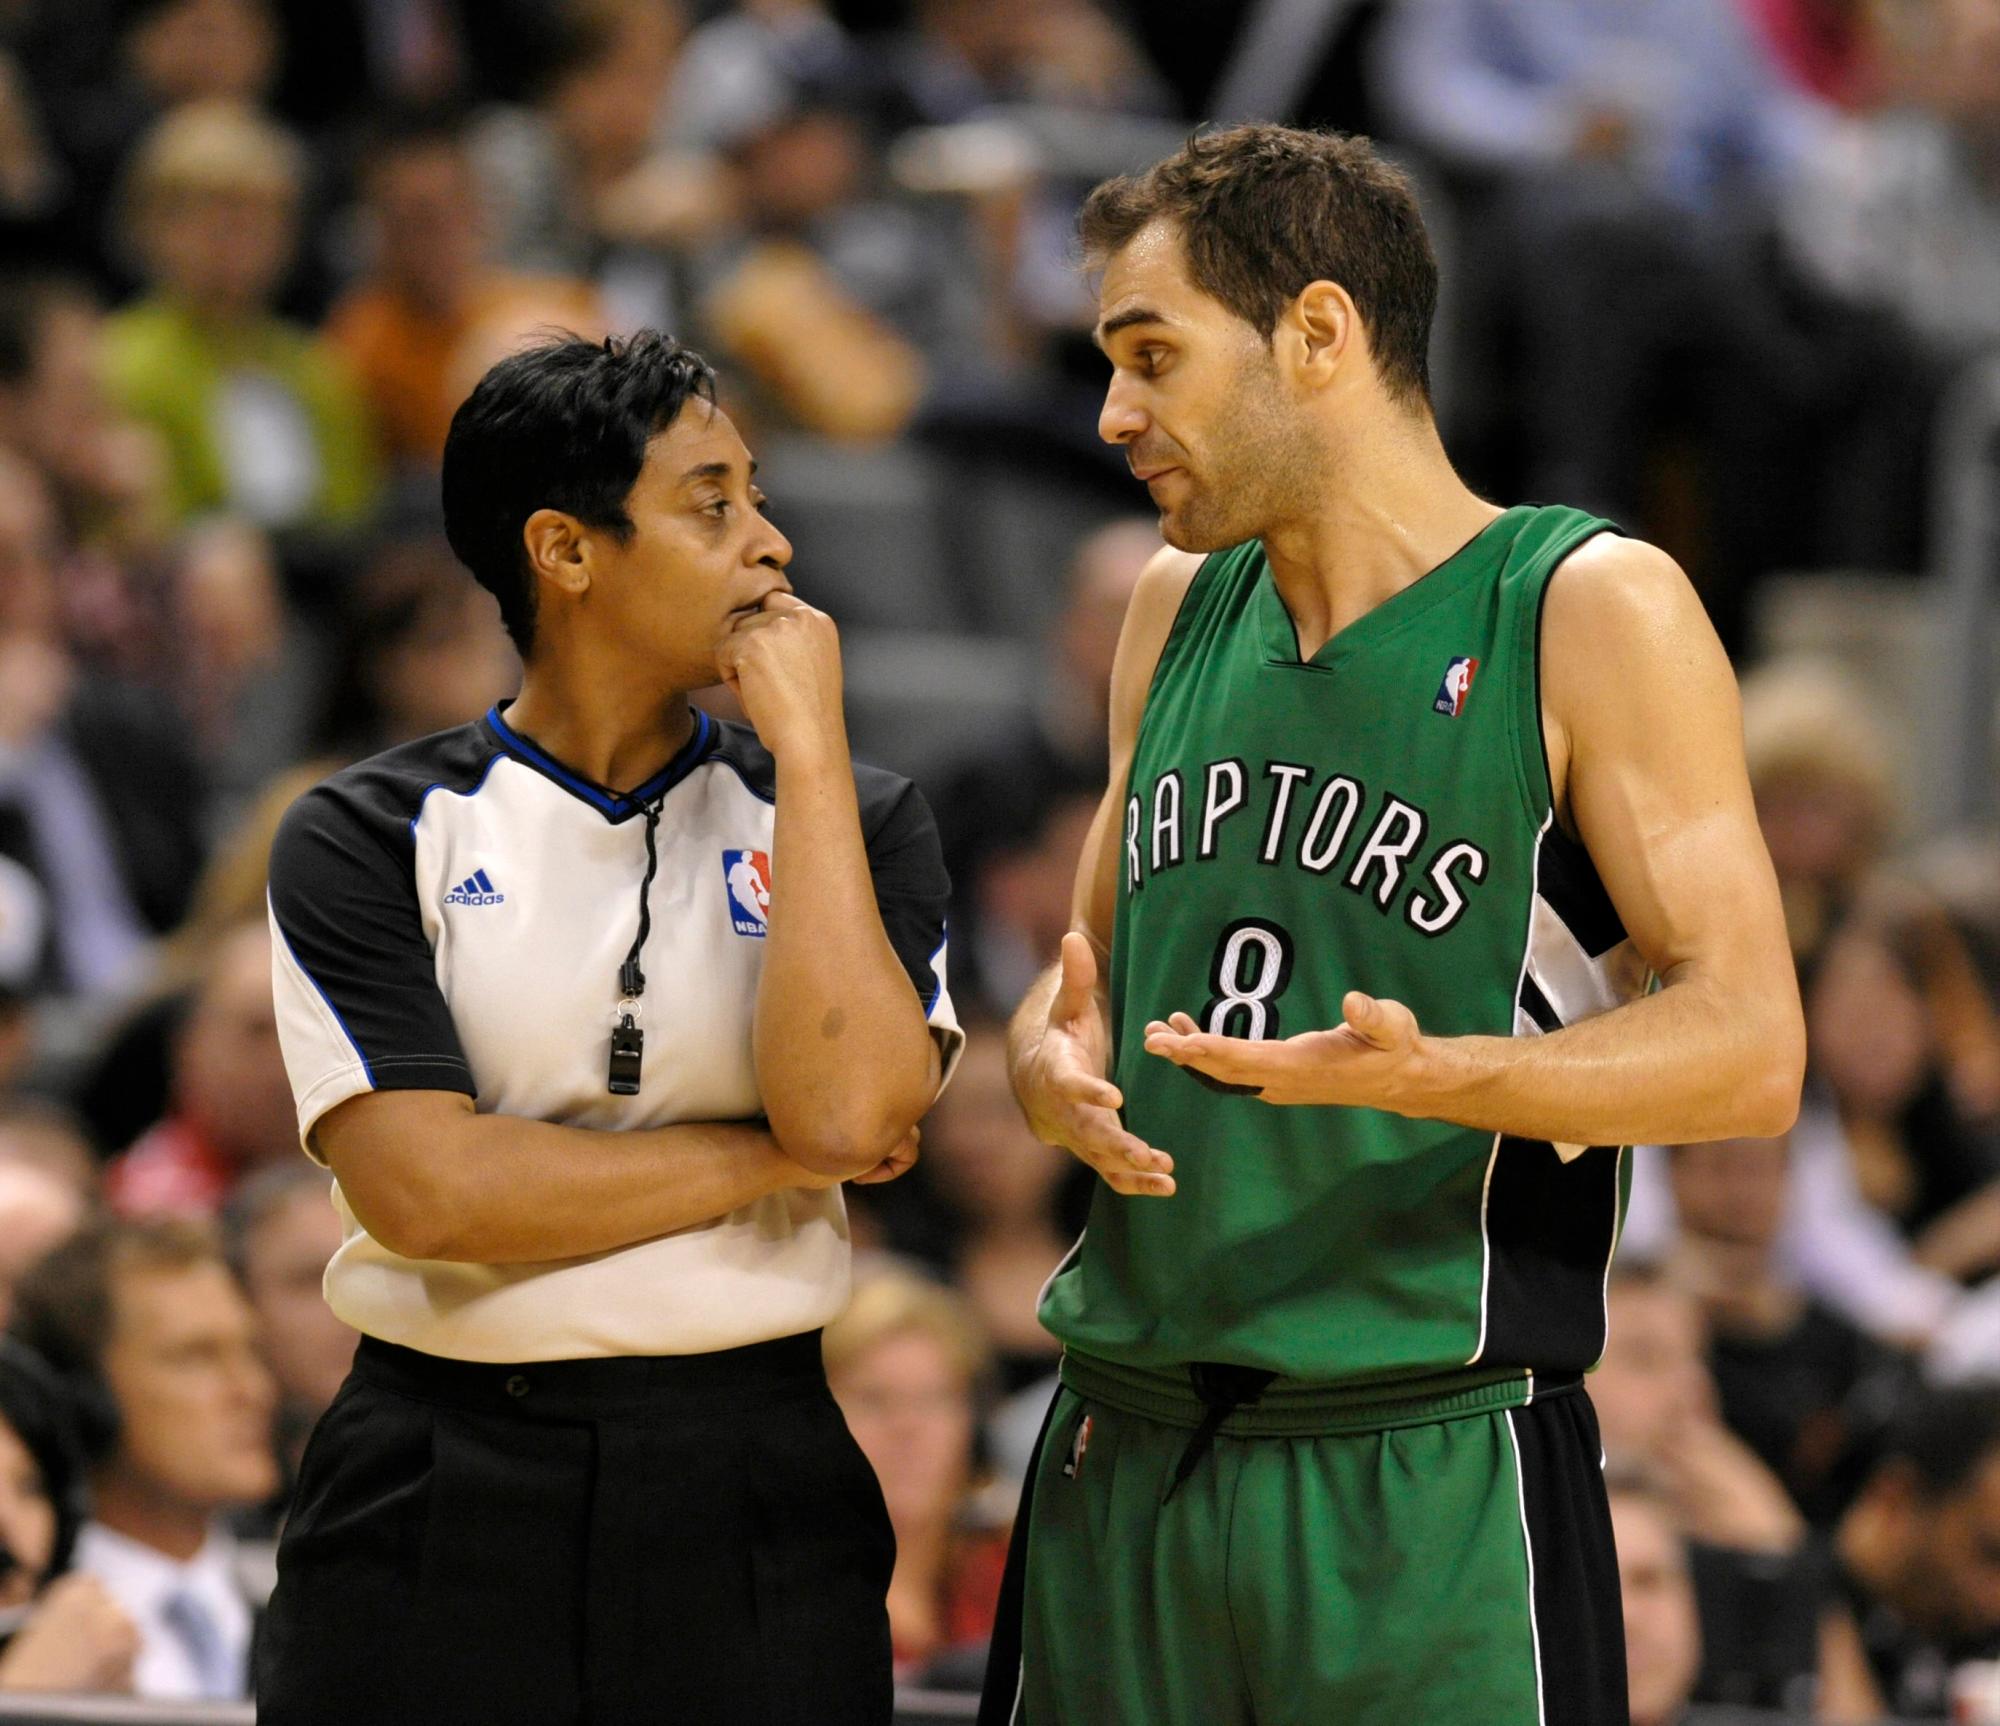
(1436, 1559)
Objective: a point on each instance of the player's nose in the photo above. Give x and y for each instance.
(1121, 419)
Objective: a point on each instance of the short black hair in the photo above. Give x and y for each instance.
(1262, 211)
(561, 425)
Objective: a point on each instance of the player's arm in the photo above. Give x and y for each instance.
(1059, 1044)
(846, 1062)
(430, 1178)
(1645, 735)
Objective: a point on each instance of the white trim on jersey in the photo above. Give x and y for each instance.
(1528, 1546)
(1493, 1156)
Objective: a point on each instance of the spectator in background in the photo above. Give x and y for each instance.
(1656, 1591)
(72, 1636)
(1919, 1553)
(1794, 1380)
(1757, 1579)
(280, 1230)
(38, 1133)
(422, 650)
(259, 416)
(740, 64)
(1903, 1037)
(243, 671)
(24, 939)
(575, 185)
(1059, 749)
(99, 799)
(1021, 893)
(163, 53)
(1826, 49)
(808, 294)
(145, 1318)
(106, 471)
(231, 1105)
(1876, 1051)
(1644, 144)
(907, 1364)
(1900, 207)
(1824, 776)
(39, 1210)
(431, 313)
(963, 56)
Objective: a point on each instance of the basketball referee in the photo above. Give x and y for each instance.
(590, 1006)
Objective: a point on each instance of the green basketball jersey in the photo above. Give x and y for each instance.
(1378, 817)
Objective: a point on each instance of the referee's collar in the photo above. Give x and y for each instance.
(614, 806)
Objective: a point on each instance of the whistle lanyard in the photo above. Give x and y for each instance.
(628, 1038)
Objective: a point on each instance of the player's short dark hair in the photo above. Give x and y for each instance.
(561, 425)
(1943, 1437)
(1262, 211)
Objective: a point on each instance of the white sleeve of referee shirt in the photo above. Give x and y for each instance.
(358, 1004)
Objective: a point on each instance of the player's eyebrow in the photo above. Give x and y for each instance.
(712, 470)
(1125, 320)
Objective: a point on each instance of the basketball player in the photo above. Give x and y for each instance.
(590, 1006)
(1411, 800)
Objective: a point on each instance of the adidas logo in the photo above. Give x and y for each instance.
(476, 889)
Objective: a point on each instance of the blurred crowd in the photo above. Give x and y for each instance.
(1712, 266)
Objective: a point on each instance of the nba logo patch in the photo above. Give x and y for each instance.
(1077, 1446)
(746, 876)
(1456, 686)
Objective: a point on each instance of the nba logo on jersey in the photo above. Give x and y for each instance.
(1456, 685)
(746, 875)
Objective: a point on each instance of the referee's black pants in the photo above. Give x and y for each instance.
(693, 1539)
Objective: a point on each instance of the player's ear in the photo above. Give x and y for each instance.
(1316, 331)
(557, 549)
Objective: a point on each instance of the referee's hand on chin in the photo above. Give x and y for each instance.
(782, 661)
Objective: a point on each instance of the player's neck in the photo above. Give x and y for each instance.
(598, 728)
(1392, 510)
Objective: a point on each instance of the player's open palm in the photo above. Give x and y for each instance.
(1066, 1097)
(783, 663)
(1362, 1062)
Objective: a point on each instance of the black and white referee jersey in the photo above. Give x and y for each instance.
(451, 915)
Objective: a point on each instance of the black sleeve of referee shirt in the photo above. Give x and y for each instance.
(358, 1003)
(906, 861)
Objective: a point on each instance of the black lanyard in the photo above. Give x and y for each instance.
(628, 1041)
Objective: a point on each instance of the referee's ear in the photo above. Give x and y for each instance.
(558, 549)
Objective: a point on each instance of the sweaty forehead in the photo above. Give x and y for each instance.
(1148, 273)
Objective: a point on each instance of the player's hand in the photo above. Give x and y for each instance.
(77, 1639)
(1364, 1062)
(782, 662)
(1067, 1099)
